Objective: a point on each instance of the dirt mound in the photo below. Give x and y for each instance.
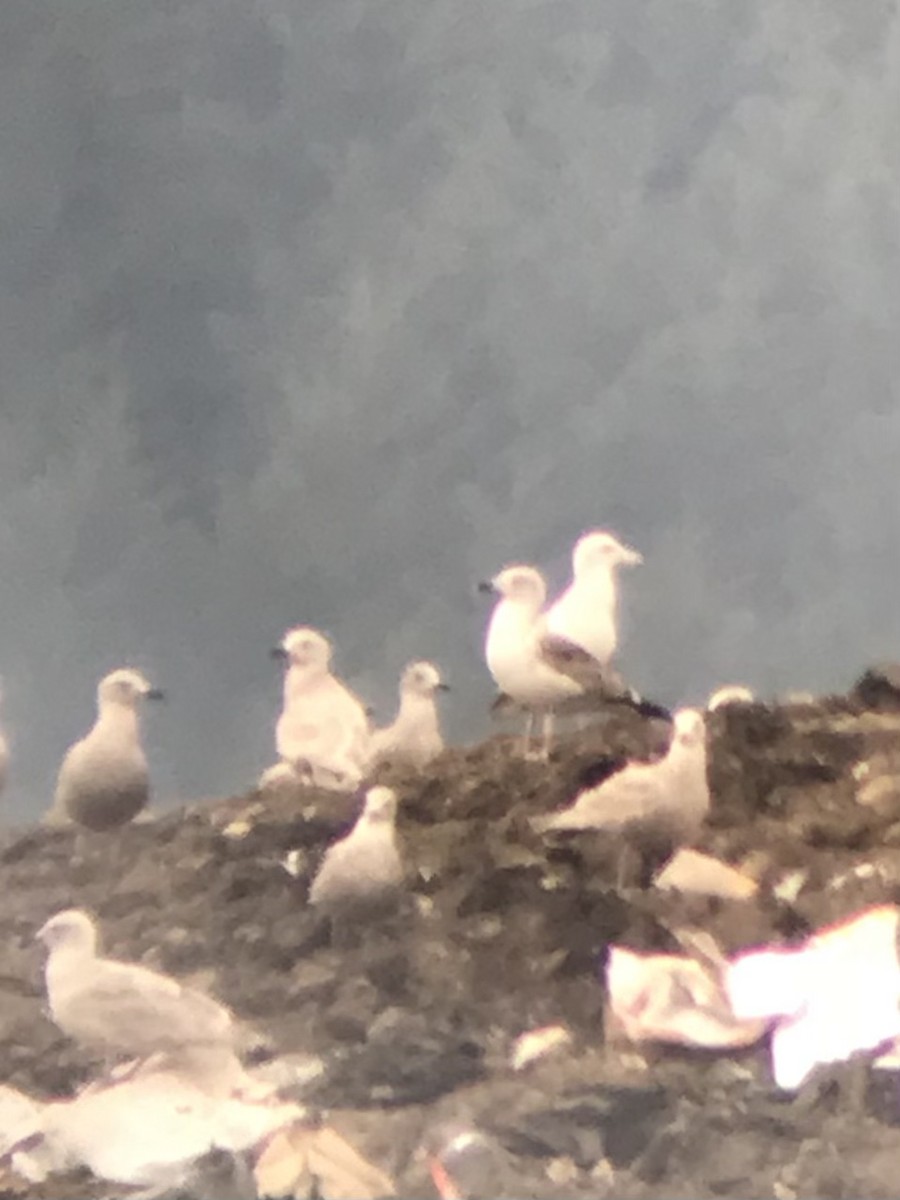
(503, 932)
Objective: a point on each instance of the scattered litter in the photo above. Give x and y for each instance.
(878, 791)
(300, 1162)
(146, 1130)
(670, 998)
(294, 862)
(789, 886)
(863, 871)
(561, 1171)
(241, 826)
(157, 1128)
(833, 997)
(537, 1043)
(690, 871)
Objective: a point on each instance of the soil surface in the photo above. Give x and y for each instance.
(503, 932)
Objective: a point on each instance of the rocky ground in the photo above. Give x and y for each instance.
(504, 933)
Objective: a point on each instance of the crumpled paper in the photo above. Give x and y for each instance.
(672, 998)
(155, 1127)
(830, 998)
(146, 1130)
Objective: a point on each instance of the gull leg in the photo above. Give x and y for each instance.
(625, 866)
(529, 730)
(549, 723)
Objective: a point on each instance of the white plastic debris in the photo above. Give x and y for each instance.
(146, 1130)
(670, 998)
(835, 996)
(537, 1043)
(690, 871)
(294, 862)
(789, 886)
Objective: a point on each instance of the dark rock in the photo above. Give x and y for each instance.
(503, 932)
(879, 687)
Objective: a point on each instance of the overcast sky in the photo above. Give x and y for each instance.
(317, 313)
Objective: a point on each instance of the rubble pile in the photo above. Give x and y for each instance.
(416, 1028)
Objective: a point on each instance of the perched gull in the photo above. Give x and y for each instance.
(119, 1008)
(670, 795)
(103, 781)
(415, 736)
(537, 668)
(723, 697)
(363, 870)
(586, 612)
(323, 730)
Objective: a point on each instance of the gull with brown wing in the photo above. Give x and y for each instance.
(535, 667)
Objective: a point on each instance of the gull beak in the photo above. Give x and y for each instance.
(442, 687)
(486, 587)
(632, 558)
(278, 652)
(155, 694)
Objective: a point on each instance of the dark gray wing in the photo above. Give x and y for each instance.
(601, 684)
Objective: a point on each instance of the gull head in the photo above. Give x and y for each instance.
(72, 929)
(730, 694)
(688, 728)
(422, 679)
(304, 647)
(600, 549)
(126, 688)
(520, 584)
(380, 807)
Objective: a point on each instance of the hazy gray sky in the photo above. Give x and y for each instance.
(317, 313)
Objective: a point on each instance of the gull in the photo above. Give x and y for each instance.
(119, 1008)
(586, 612)
(670, 795)
(537, 668)
(415, 736)
(103, 781)
(363, 871)
(730, 694)
(323, 730)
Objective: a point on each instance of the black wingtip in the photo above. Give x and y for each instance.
(646, 708)
(653, 711)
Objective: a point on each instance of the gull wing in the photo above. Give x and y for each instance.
(140, 1010)
(632, 794)
(600, 684)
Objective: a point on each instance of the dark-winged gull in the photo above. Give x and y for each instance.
(119, 1008)
(103, 781)
(323, 730)
(363, 871)
(587, 611)
(414, 738)
(536, 668)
